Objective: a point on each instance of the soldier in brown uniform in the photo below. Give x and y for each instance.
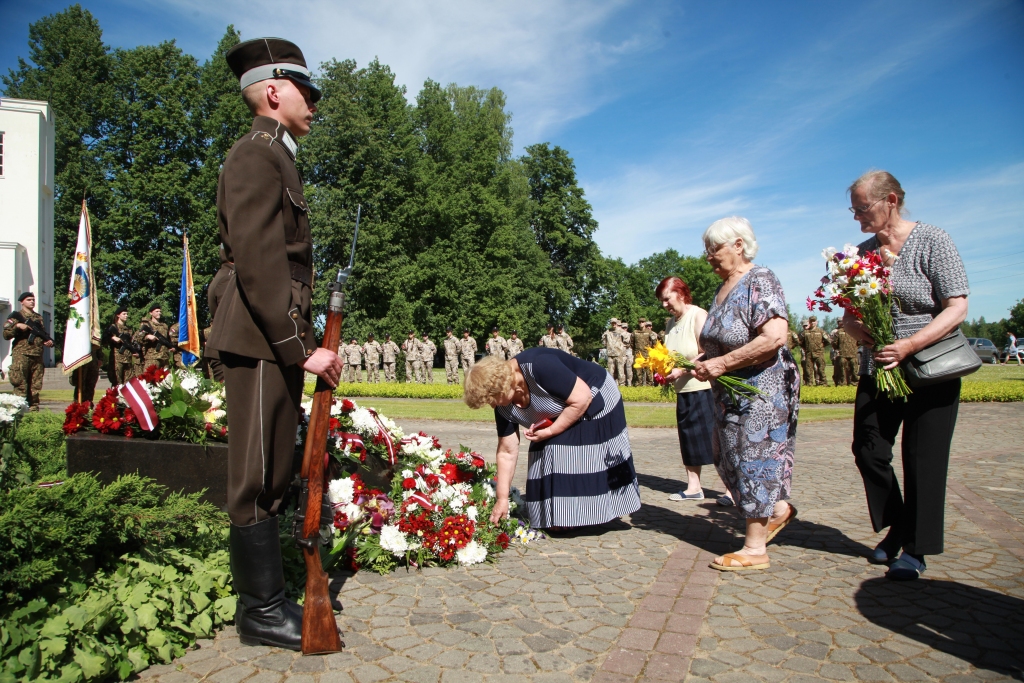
(496, 345)
(793, 343)
(467, 349)
(214, 293)
(451, 356)
(515, 345)
(371, 352)
(565, 340)
(428, 350)
(121, 362)
(846, 356)
(411, 349)
(612, 340)
(641, 347)
(352, 354)
(627, 352)
(152, 337)
(814, 340)
(550, 340)
(26, 373)
(389, 351)
(264, 333)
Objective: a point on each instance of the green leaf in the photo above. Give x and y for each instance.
(200, 600)
(54, 627)
(225, 607)
(30, 659)
(52, 648)
(156, 639)
(131, 620)
(147, 616)
(202, 625)
(93, 664)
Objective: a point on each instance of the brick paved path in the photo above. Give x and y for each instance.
(637, 602)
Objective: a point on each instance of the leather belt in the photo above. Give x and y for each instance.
(301, 273)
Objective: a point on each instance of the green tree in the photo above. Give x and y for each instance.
(70, 69)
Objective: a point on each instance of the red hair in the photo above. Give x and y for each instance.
(674, 284)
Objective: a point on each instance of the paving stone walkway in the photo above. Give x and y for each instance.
(635, 601)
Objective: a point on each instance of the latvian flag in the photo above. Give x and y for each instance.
(135, 395)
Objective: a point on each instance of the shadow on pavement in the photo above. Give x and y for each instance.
(977, 625)
(722, 529)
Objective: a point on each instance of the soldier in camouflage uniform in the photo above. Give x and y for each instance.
(496, 345)
(172, 334)
(793, 344)
(372, 350)
(154, 352)
(467, 349)
(641, 346)
(451, 356)
(26, 373)
(411, 349)
(565, 339)
(352, 355)
(814, 341)
(612, 340)
(121, 361)
(627, 352)
(805, 360)
(550, 340)
(846, 359)
(515, 345)
(428, 350)
(389, 352)
(90, 375)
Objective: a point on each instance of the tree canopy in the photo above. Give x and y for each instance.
(456, 230)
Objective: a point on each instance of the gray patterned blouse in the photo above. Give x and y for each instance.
(927, 270)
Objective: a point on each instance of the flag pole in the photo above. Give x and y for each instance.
(79, 383)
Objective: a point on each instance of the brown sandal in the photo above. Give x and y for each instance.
(731, 562)
(774, 529)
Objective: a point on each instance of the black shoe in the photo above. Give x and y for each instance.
(907, 568)
(263, 615)
(888, 550)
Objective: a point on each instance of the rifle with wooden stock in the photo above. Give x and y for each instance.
(319, 630)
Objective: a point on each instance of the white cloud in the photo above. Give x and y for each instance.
(546, 56)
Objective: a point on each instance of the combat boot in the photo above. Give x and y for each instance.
(263, 615)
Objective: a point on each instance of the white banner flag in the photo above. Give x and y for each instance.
(83, 326)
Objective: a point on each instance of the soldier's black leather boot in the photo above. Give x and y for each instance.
(263, 616)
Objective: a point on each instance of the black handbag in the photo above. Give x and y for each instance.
(944, 360)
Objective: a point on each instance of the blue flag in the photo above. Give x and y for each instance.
(188, 326)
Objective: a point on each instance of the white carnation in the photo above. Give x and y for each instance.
(828, 253)
(471, 512)
(10, 407)
(353, 512)
(473, 553)
(190, 383)
(340, 491)
(363, 422)
(393, 539)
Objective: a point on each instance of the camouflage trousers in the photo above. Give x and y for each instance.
(846, 372)
(627, 362)
(616, 369)
(411, 373)
(467, 365)
(373, 372)
(815, 369)
(451, 369)
(389, 372)
(26, 377)
(351, 373)
(417, 367)
(428, 371)
(90, 374)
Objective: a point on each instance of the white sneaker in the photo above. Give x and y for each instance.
(682, 495)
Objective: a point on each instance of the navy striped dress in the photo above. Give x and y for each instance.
(585, 474)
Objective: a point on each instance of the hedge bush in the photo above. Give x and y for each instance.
(973, 391)
(40, 440)
(56, 534)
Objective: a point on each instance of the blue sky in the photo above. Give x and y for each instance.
(680, 113)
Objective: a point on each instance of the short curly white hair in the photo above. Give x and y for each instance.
(727, 230)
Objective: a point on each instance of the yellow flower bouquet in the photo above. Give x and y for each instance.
(662, 361)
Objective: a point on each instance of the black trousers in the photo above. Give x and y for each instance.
(928, 417)
(263, 413)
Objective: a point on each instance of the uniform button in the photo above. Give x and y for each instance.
(302, 335)
(309, 352)
(295, 315)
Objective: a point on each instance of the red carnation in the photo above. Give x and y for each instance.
(433, 481)
(477, 460)
(408, 483)
(502, 540)
(334, 424)
(347, 406)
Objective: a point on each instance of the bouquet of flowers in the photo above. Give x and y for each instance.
(662, 361)
(187, 407)
(860, 283)
(436, 513)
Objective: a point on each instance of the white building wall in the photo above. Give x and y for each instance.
(26, 209)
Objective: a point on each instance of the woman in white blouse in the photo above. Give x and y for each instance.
(695, 405)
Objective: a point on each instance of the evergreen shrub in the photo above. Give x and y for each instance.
(40, 440)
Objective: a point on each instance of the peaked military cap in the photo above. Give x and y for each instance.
(370, 336)
(494, 329)
(551, 325)
(25, 295)
(263, 59)
(515, 331)
(448, 329)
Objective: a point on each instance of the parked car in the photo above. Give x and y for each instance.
(986, 350)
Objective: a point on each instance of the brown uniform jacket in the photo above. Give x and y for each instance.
(214, 293)
(264, 227)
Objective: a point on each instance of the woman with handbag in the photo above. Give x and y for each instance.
(930, 301)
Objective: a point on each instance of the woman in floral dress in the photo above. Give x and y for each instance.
(745, 335)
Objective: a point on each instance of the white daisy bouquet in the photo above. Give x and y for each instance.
(860, 283)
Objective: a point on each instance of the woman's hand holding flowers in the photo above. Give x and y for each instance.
(707, 370)
(892, 355)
